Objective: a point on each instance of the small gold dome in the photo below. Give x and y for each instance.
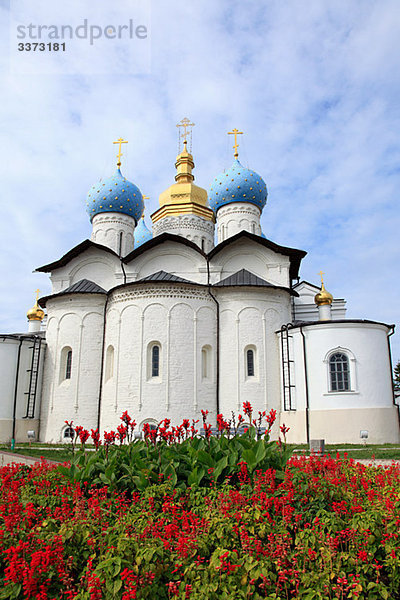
(323, 297)
(35, 313)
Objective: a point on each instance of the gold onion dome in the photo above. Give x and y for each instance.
(35, 313)
(323, 297)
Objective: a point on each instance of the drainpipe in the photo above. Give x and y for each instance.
(391, 371)
(102, 364)
(15, 395)
(306, 388)
(217, 305)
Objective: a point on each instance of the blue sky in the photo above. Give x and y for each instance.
(315, 87)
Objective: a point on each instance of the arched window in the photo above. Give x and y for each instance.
(68, 365)
(155, 361)
(109, 370)
(65, 363)
(69, 433)
(250, 371)
(206, 362)
(120, 243)
(203, 244)
(339, 372)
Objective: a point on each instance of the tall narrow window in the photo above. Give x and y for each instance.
(203, 244)
(250, 363)
(206, 362)
(120, 244)
(155, 361)
(339, 372)
(109, 370)
(68, 365)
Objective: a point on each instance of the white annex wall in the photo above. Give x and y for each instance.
(340, 416)
(9, 348)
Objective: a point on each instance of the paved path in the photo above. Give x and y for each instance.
(11, 457)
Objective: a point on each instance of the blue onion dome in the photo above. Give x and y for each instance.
(115, 194)
(237, 184)
(142, 234)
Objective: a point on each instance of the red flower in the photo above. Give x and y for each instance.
(247, 408)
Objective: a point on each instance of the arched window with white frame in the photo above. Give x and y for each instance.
(339, 372)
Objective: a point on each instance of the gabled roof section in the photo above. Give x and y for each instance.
(304, 282)
(160, 239)
(64, 260)
(246, 278)
(84, 286)
(164, 276)
(294, 254)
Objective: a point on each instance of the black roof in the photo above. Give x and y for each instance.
(72, 253)
(246, 278)
(317, 287)
(163, 276)
(339, 321)
(294, 254)
(84, 286)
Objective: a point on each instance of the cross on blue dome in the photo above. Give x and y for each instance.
(115, 194)
(237, 184)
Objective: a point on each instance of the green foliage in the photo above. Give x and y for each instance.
(193, 462)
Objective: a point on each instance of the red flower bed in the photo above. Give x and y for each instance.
(328, 529)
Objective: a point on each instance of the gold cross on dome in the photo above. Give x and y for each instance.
(320, 274)
(235, 132)
(120, 141)
(37, 294)
(185, 123)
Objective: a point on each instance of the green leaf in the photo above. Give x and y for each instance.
(204, 458)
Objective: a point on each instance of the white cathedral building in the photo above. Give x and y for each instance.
(202, 312)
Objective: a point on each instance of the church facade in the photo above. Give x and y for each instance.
(167, 322)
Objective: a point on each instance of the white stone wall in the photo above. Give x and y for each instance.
(236, 217)
(93, 264)
(248, 320)
(8, 370)
(114, 230)
(192, 227)
(181, 319)
(338, 417)
(171, 257)
(257, 259)
(75, 322)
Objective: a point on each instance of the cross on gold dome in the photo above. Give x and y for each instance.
(320, 274)
(235, 132)
(185, 123)
(120, 141)
(37, 294)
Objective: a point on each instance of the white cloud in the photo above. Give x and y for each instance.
(315, 87)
